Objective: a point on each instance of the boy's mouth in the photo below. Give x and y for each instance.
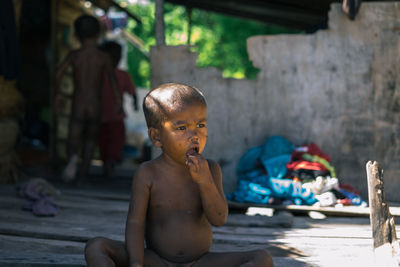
(192, 151)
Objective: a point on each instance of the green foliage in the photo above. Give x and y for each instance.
(220, 40)
(225, 43)
(139, 64)
(138, 67)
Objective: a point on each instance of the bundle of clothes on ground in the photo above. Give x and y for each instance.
(39, 197)
(280, 173)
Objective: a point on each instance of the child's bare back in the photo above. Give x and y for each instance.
(89, 65)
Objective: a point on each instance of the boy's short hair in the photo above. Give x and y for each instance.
(86, 26)
(167, 97)
(114, 49)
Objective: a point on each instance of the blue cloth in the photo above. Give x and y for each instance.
(260, 172)
(291, 190)
(354, 198)
(277, 146)
(275, 155)
(249, 161)
(276, 166)
(249, 192)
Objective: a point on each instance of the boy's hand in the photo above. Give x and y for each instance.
(198, 167)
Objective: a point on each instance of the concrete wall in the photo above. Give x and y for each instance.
(338, 88)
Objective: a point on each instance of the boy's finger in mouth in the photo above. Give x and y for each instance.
(191, 154)
(193, 151)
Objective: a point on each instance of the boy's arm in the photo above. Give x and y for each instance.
(207, 174)
(135, 222)
(114, 83)
(131, 89)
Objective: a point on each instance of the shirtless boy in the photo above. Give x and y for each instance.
(177, 197)
(88, 65)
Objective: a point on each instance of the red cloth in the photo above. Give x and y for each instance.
(344, 201)
(349, 187)
(126, 85)
(312, 149)
(111, 140)
(112, 130)
(306, 165)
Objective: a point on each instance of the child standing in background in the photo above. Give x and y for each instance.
(89, 65)
(112, 130)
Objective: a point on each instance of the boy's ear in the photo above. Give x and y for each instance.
(154, 135)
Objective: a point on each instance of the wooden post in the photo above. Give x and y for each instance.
(386, 246)
(160, 37)
(189, 16)
(53, 65)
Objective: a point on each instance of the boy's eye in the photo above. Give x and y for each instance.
(181, 128)
(201, 125)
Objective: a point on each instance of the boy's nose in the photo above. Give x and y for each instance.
(193, 136)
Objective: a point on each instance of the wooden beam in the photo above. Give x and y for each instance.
(386, 246)
(189, 18)
(160, 36)
(53, 65)
(296, 17)
(135, 41)
(282, 21)
(347, 211)
(292, 6)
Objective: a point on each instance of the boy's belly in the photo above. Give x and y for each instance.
(181, 239)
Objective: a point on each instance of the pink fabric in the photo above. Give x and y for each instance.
(126, 85)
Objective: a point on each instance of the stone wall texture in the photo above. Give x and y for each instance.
(338, 88)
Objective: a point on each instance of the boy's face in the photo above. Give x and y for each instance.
(184, 132)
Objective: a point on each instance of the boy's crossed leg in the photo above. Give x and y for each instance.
(102, 251)
(256, 258)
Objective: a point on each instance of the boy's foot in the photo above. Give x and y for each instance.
(70, 170)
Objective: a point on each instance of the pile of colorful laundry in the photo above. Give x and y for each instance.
(280, 173)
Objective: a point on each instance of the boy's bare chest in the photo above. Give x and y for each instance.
(175, 195)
